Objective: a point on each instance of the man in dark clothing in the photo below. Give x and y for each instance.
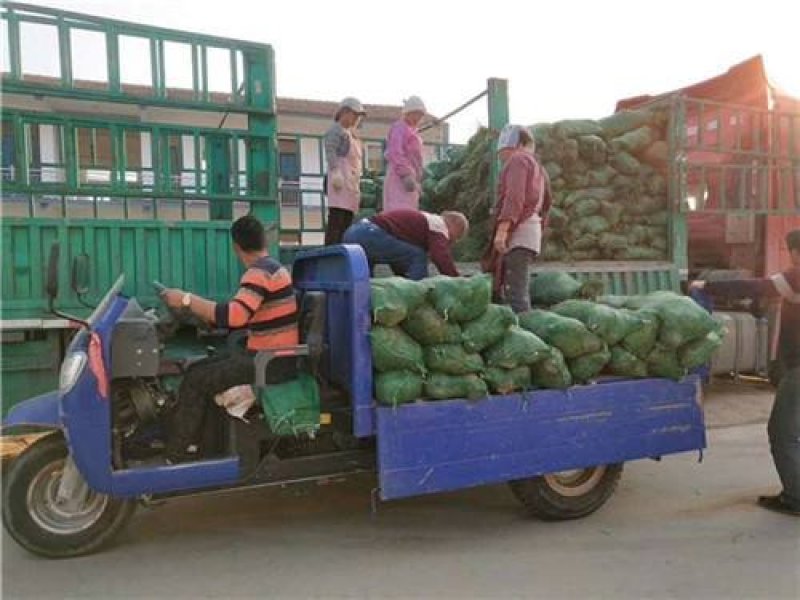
(405, 238)
(784, 421)
(264, 305)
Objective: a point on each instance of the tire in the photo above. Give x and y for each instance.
(35, 521)
(570, 495)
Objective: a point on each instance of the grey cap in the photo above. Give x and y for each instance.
(351, 103)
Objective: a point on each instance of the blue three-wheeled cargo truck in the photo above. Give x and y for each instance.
(70, 492)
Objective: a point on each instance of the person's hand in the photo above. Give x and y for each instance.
(173, 297)
(697, 285)
(337, 182)
(501, 242)
(409, 184)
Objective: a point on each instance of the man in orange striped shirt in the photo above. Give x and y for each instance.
(265, 305)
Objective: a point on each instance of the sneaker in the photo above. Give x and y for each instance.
(779, 504)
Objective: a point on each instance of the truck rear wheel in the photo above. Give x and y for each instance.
(42, 523)
(569, 494)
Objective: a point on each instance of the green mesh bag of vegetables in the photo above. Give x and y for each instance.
(398, 387)
(552, 372)
(569, 335)
(588, 366)
(609, 323)
(392, 298)
(682, 319)
(489, 328)
(461, 298)
(663, 362)
(394, 350)
(428, 327)
(553, 287)
(505, 381)
(518, 347)
(452, 359)
(626, 364)
(698, 352)
(440, 386)
(642, 338)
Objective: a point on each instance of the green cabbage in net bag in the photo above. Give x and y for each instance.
(640, 253)
(588, 366)
(698, 352)
(568, 335)
(642, 338)
(489, 328)
(682, 319)
(461, 298)
(625, 163)
(624, 121)
(592, 149)
(594, 224)
(663, 362)
(428, 327)
(598, 194)
(440, 386)
(518, 347)
(635, 141)
(505, 381)
(611, 324)
(393, 297)
(612, 241)
(398, 387)
(612, 212)
(394, 350)
(552, 287)
(569, 128)
(626, 364)
(600, 177)
(452, 359)
(552, 372)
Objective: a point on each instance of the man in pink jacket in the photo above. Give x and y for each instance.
(401, 188)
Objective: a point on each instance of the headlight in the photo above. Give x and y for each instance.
(71, 369)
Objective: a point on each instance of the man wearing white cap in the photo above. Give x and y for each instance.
(343, 154)
(401, 188)
(523, 201)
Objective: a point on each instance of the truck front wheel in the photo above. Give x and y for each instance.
(569, 494)
(41, 521)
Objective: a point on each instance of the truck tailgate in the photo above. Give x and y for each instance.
(430, 447)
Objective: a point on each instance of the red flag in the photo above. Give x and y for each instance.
(97, 365)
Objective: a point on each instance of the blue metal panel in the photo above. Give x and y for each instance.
(438, 446)
(173, 478)
(343, 273)
(39, 410)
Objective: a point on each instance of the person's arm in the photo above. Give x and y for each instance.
(514, 181)
(547, 200)
(441, 255)
(740, 288)
(332, 142)
(198, 306)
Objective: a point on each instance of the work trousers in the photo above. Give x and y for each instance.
(784, 434)
(383, 248)
(339, 219)
(517, 278)
(207, 378)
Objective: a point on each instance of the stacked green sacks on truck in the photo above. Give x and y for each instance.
(454, 343)
(609, 184)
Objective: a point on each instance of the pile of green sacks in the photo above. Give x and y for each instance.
(443, 338)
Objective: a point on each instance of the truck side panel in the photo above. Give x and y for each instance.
(431, 447)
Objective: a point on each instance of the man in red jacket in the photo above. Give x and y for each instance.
(784, 421)
(404, 239)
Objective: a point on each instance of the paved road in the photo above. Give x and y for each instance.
(673, 529)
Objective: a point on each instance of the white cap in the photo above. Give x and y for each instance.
(413, 104)
(351, 103)
(509, 137)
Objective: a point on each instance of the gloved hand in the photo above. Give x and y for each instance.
(409, 184)
(337, 181)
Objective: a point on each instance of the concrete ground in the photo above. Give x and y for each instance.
(673, 529)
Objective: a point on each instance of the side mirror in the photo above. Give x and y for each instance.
(52, 272)
(80, 274)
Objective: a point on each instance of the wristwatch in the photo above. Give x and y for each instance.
(186, 301)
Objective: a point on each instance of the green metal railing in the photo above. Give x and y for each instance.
(182, 68)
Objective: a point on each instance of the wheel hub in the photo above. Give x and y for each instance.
(576, 482)
(58, 515)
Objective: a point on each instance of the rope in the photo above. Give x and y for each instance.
(440, 120)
